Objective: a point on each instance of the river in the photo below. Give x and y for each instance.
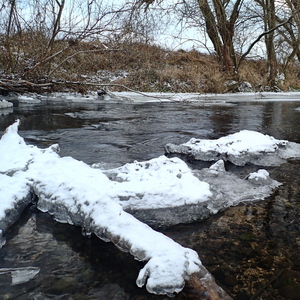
(252, 249)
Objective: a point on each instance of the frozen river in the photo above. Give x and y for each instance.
(244, 247)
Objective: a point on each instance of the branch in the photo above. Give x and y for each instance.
(80, 52)
(45, 60)
(258, 39)
(21, 85)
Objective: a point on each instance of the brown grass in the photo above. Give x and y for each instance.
(149, 67)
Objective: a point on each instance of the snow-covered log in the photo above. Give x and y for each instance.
(75, 193)
(239, 148)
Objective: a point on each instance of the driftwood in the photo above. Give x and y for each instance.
(22, 86)
(202, 286)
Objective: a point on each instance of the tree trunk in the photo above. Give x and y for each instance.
(272, 60)
(269, 23)
(220, 30)
(8, 36)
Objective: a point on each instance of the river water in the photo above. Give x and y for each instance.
(252, 250)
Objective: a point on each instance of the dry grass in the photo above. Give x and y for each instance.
(148, 67)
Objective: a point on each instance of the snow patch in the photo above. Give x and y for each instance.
(239, 148)
(5, 104)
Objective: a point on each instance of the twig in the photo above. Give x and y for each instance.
(81, 52)
(266, 285)
(21, 85)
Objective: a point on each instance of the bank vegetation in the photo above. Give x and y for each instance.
(243, 46)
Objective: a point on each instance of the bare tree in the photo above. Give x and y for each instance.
(269, 21)
(290, 32)
(219, 19)
(51, 28)
(9, 28)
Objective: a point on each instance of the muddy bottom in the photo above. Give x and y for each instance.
(253, 249)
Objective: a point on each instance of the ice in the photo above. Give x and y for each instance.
(31, 99)
(21, 275)
(5, 104)
(239, 148)
(137, 97)
(73, 192)
(163, 192)
(230, 190)
(14, 198)
(99, 201)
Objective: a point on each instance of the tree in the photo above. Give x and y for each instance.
(11, 21)
(38, 35)
(290, 31)
(269, 21)
(227, 23)
(220, 26)
(219, 19)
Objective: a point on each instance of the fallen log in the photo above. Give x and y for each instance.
(22, 86)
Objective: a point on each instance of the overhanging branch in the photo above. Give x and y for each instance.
(242, 58)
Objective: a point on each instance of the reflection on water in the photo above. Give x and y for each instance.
(120, 133)
(252, 250)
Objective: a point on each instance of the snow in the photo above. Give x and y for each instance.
(137, 97)
(12, 189)
(75, 193)
(5, 104)
(239, 148)
(259, 177)
(97, 200)
(159, 183)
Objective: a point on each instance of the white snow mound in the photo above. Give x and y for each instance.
(239, 148)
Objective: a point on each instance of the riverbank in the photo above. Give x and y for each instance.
(139, 97)
(141, 67)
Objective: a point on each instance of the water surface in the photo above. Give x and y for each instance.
(252, 250)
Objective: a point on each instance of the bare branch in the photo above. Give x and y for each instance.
(259, 38)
